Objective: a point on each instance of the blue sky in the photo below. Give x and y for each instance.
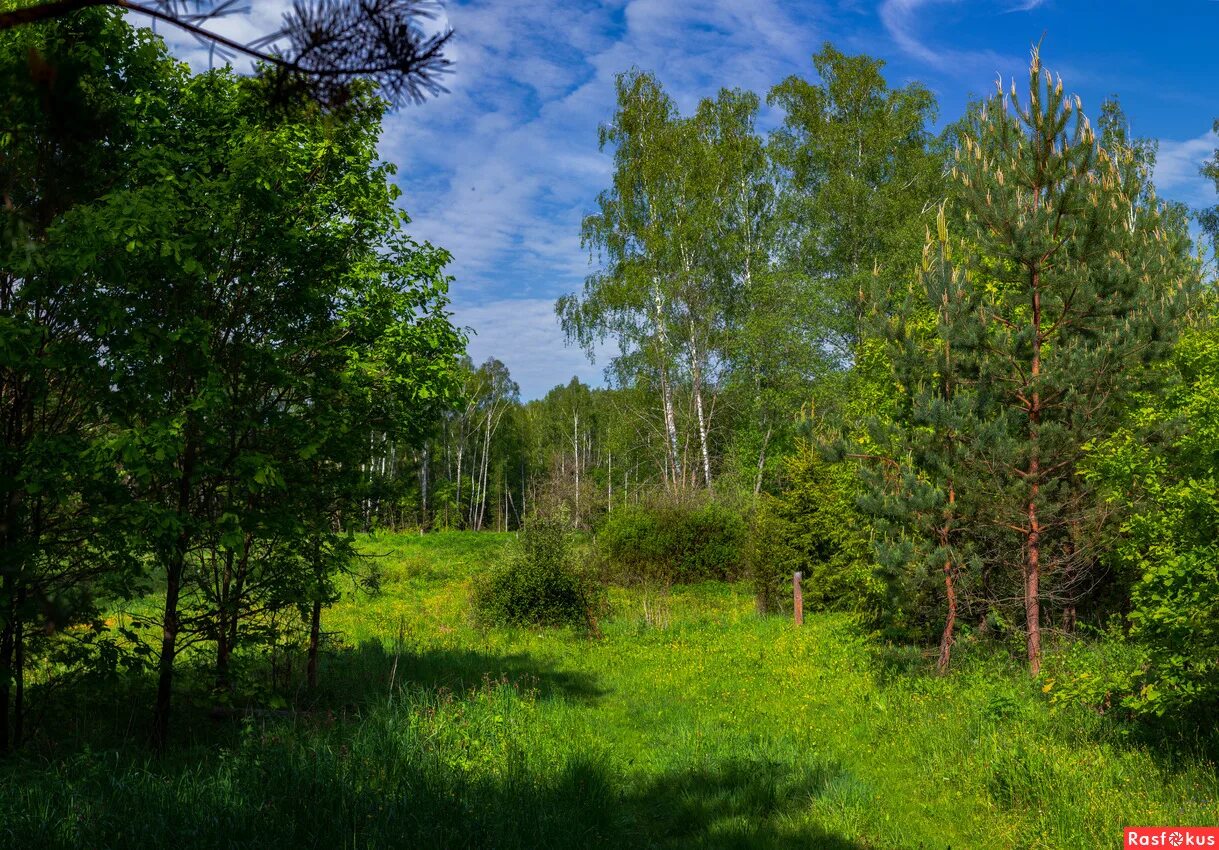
(501, 170)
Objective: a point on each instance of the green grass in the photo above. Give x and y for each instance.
(693, 722)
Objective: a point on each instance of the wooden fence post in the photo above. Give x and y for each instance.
(798, 598)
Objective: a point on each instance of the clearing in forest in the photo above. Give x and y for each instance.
(692, 721)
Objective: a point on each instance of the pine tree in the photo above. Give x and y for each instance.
(915, 490)
(1071, 273)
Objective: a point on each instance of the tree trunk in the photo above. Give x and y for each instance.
(482, 499)
(461, 447)
(950, 591)
(18, 677)
(575, 457)
(947, 639)
(696, 372)
(6, 669)
(666, 391)
(173, 586)
(673, 468)
(1032, 578)
(223, 647)
(1032, 590)
(757, 481)
(423, 486)
(169, 638)
(223, 651)
(315, 635)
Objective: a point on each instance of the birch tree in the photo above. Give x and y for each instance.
(632, 298)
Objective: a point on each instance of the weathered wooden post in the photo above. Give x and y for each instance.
(798, 598)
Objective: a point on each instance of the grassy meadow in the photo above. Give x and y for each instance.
(690, 722)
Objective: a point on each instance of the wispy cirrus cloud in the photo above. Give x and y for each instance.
(903, 20)
(1028, 5)
(503, 170)
(506, 327)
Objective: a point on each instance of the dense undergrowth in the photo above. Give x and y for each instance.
(692, 721)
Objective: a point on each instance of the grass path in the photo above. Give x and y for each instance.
(697, 724)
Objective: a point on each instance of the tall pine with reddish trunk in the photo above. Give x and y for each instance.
(1072, 272)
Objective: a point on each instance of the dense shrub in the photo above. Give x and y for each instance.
(814, 526)
(1163, 471)
(674, 541)
(540, 584)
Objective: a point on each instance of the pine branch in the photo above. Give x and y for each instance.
(328, 44)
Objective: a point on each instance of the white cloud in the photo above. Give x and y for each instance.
(502, 170)
(902, 19)
(244, 26)
(524, 334)
(1177, 165)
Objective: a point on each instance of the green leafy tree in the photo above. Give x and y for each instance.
(253, 260)
(814, 526)
(632, 298)
(1160, 472)
(1209, 218)
(684, 232)
(861, 169)
(77, 93)
(325, 48)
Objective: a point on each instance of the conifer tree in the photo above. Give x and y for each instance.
(1071, 274)
(917, 492)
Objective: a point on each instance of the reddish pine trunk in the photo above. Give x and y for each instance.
(1032, 593)
(1032, 578)
(946, 640)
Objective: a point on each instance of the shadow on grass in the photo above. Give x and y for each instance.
(115, 711)
(297, 798)
(733, 804)
(369, 672)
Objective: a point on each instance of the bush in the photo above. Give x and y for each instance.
(814, 526)
(541, 584)
(674, 542)
(1163, 471)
